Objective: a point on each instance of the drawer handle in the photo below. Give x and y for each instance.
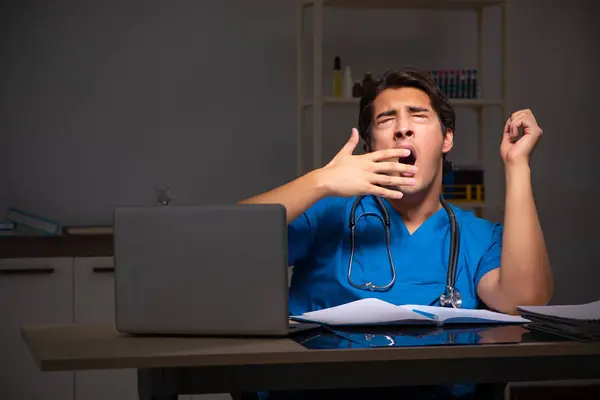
(26, 271)
(103, 270)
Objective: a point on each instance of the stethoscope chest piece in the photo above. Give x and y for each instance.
(451, 298)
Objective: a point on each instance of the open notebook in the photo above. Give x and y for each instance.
(373, 311)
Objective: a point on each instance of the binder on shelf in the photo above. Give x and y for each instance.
(25, 221)
(464, 183)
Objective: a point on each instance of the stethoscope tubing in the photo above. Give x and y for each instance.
(451, 296)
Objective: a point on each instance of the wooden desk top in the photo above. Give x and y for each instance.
(84, 346)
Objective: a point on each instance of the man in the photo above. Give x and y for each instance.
(407, 125)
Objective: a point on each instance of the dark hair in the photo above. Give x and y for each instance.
(405, 77)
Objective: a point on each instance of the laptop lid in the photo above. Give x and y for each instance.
(201, 269)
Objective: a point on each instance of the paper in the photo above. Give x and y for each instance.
(463, 315)
(373, 311)
(366, 311)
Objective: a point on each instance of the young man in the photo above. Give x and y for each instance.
(407, 125)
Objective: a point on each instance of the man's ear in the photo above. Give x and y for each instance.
(448, 141)
(367, 146)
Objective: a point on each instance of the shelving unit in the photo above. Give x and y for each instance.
(319, 102)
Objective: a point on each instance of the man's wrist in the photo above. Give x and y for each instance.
(320, 182)
(518, 170)
(518, 182)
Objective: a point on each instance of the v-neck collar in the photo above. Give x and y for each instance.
(435, 220)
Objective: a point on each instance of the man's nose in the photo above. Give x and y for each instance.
(404, 132)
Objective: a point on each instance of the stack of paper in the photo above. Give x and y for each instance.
(372, 311)
(574, 321)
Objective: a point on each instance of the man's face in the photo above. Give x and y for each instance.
(404, 118)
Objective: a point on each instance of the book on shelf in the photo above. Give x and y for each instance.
(28, 223)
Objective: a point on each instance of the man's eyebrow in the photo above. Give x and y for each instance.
(388, 113)
(415, 109)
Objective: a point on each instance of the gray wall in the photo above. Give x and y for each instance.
(102, 102)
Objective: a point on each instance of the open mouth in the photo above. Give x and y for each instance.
(411, 159)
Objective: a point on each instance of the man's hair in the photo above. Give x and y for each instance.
(405, 77)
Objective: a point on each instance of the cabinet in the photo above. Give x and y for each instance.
(94, 303)
(94, 295)
(59, 290)
(33, 291)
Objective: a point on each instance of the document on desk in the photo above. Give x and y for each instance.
(580, 321)
(588, 312)
(372, 311)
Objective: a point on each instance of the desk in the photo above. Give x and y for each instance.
(193, 365)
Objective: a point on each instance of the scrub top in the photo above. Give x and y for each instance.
(319, 246)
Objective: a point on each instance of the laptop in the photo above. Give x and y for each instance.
(202, 270)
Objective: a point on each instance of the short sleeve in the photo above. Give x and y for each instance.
(302, 232)
(491, 257)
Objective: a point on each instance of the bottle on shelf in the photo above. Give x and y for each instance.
(368, 82)
(357, 89)
(462, 85)
(348, 82)
(451, 84)
(443, 81)
(338, 79)
(468, 84)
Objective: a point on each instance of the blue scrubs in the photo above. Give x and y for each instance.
(319, 249)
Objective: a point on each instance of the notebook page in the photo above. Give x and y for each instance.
(465, 315)
(364, 311)
(583, 312)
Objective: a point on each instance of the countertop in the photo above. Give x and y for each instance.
(56, 246)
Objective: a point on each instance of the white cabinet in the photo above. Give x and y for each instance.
(94, 295)
(94, 303)
(33, 291)
(59, 291)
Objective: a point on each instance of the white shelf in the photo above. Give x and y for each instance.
(479, 206)
(317, 103)
(473, 103)
(469, 204)
(407, 4)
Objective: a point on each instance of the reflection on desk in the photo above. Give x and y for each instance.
(394, 336)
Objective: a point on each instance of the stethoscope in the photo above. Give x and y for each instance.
(451, 297)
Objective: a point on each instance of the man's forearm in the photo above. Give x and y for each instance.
(296, 196)
(525, 273)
